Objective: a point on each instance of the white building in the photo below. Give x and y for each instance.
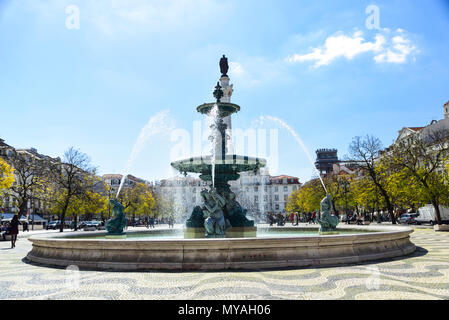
(258, 193)
(114, 181)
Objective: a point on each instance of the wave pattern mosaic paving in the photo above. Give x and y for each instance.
(421, 275)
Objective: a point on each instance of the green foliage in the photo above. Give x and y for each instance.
(138, 200)
(6, 175)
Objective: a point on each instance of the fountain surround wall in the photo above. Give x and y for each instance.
(219, 254)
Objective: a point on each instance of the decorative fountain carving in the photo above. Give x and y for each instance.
(328, 222)
(116, 225)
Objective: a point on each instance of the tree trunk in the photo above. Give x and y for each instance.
(388, 203)
(437, 211)
(76, 223)
(23, 208)
(62, 216)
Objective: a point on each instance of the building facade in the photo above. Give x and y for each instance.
(259, 192)
(34, 205)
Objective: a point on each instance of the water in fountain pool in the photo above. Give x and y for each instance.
(261, 233)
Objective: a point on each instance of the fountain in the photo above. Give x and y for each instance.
(221, 215)
(218, 235)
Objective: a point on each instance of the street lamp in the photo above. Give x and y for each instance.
(345, 184)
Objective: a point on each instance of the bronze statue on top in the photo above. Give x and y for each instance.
(224, 67)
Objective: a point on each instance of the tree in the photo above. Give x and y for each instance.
(424, 157)
(31, 177)
(6, 177)
(307, 198)
(164, 205)
(366, 151)
(138, 200)
(73, 179)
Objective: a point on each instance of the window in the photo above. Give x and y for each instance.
(284, 181)
(276, 189)
(285, 188)
(265, 198)
(247, 189)
(276, 197)
(276, 207)
(265, 189)
(285, 197)
(256, 189)
(256, 198)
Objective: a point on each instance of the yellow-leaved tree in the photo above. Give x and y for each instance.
(6, 177)
(137, 200)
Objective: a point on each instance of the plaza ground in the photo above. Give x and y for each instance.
(422, 275)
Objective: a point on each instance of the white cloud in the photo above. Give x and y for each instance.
(401, 48)
(385, 48)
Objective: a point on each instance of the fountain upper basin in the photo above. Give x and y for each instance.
(228, 163)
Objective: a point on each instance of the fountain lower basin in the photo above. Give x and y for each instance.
(139, 254)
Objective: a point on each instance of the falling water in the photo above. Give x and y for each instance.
(213, 114)
(298, 139)
(159, 123)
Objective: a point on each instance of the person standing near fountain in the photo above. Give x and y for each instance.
(14, 230)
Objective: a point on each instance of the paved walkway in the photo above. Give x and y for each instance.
(423, 275)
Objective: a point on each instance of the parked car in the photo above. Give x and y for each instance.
(93, 225)
(82, 224)
(407, 218)
(426, 214)
(54, 225)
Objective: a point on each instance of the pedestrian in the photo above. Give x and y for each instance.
(314, 217)
(25, 226)
(14, 230)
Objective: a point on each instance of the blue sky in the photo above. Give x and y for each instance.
(314, 64)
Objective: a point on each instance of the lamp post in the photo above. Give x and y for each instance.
(109, 204)
(345, 184)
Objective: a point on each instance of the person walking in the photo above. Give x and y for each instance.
(14, 230)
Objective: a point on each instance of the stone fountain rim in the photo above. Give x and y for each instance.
(78, 237)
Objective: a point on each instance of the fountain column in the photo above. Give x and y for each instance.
(227, 93)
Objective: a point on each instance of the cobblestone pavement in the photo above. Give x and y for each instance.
(422, 275)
